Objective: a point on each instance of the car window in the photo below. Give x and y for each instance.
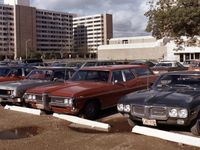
(4, 71)
(88, 64)
(60, 75)
(27, 70)
(15, 72)
(142, 71)
(90, 75)
(128, 75)
(164, 65)
(40, 74)
(117, 76)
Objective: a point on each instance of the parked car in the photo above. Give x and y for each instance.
(194, 65)
(174, 99)
(98, 63)
(13, 73)
(143, 62)
(13, 91)
(167, 66)
(91, 89)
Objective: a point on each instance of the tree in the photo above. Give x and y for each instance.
(174, 18)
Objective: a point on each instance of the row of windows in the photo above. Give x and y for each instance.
(53, 14)
(53, 31)
(89, 18)
(6, 8)
(53, 23)
(53, 18)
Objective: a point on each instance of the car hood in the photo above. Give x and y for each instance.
(21, 83)
(3, 79)
(46, 88)
(173, 97)
(81, 89)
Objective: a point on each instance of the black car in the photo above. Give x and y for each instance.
(174, 99)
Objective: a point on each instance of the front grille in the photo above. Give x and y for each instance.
(57, 99)
(5, 92)
(138, 111)
(158, 113)
(151, 112)
(39, 98)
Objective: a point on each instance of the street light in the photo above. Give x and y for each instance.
(29, 40)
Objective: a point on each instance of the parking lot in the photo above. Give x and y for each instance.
(47, 132)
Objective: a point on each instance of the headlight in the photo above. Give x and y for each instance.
(183, 113)
(120, 107)
(34, 97)
(30, 97)
(69, 101)
(178, 113)
(173, 113)
(127, 108)
(156, 72)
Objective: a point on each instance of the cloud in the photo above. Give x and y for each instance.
(128, 15)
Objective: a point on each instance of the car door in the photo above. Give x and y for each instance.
(122, 82)
(132, 82)
(145, 76)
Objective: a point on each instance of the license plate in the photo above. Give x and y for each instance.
(149, 122)
(40, 106)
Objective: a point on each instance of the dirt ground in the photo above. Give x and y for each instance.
(49, 133)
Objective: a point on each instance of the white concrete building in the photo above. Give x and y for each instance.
(147, 47)
(181, 53)
(144, 47)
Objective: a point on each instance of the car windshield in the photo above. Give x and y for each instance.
(4, 72)
(40, 75)
(195, 64)
(90, 75)
(178, 80)
(163, 65)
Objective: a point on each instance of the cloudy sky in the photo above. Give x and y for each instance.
(128, 15)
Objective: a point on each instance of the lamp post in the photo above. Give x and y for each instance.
(29, 40)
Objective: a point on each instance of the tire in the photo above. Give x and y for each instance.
(131, 122)
(3, 104)
(195, 129)
(91, 110)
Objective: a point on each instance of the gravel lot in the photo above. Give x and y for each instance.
(49, 133)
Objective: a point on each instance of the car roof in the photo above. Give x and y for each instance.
(113, 67)
(55, 68)
(183, 73)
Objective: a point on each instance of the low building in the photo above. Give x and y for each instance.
(147, 47)
(130, 48)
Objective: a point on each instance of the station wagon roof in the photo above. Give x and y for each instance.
(183, 73)
(113, 67)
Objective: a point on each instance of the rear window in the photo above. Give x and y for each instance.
(142, 71)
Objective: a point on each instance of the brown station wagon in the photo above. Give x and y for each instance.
(91, 89)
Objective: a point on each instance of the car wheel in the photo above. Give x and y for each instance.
(91, 110)
(195, 129)
(131, 122)
(3, 104)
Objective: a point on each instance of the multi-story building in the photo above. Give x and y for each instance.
(90, 32)
(26, 30)
(17, 2)
(6, 30)
(54, 32)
